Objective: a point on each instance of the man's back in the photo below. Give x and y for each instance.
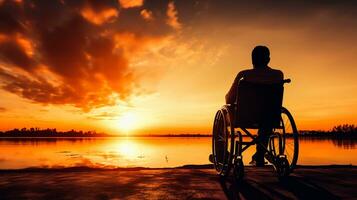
(265, 75)
(260, 75)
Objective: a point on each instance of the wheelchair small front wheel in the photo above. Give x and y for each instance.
(238, 170)
(282, 167)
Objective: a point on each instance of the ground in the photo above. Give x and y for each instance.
(191, 182)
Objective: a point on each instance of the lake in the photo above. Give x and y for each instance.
(148, 152)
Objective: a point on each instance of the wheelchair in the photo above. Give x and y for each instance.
(257, 106)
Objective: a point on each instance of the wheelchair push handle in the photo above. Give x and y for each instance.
(287, 80)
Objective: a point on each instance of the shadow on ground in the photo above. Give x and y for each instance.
(259, 183)
(313, 183)
(295, 188)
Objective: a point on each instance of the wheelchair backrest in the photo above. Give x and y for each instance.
(258, 105)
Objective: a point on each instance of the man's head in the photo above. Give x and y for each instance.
(260, 56)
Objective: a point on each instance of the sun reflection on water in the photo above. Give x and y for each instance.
(128, 148)
(144, 152)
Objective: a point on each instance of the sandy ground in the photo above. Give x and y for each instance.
(177, 183)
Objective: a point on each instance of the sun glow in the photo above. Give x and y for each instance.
(127, 122)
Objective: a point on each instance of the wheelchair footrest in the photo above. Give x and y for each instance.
(270, 158)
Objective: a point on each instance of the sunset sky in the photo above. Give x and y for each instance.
(164, 66)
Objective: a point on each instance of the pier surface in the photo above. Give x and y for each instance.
(329, 182)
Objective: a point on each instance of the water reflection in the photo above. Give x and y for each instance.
(148, 152)
(346, 144)
(127, 144)
(41, 140)
(341, 143)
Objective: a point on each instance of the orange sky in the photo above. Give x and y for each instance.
(141, 67)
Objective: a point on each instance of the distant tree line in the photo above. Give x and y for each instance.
(339, 131)
(175, 135)
(37, 132)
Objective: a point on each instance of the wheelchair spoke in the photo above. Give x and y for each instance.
(288, 156)
(289, 145)
(287, 130)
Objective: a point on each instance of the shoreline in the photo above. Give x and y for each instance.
(198, 167)
(353, 138)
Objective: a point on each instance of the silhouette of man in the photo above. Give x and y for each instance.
(261, 73)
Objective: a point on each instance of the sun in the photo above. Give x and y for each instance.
(127, 122)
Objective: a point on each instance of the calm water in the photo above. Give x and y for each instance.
(148, 152)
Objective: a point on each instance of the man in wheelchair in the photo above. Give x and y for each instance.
(254, 102)
(261, 73)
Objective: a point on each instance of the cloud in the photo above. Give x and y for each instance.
(131, 3)
(104, 116)
(266, 14)
(80, 53)
(172, 16)
(146, 14)
(2, 109)
(13, 52)
(76, 52)
(100, 17)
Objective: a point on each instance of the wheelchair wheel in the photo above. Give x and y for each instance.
(284, 141)
(222, 148)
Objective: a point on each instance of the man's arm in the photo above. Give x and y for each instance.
(232, 93)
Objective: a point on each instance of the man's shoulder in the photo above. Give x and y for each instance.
(258, 73)
(253, 71)
(277, 72)
(243, 72)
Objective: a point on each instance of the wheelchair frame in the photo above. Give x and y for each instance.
(236, 149)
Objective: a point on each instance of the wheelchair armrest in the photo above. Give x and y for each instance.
(230, 106)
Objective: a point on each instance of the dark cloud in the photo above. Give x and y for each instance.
(8, 23)
(11, 52)
(266, 13)
(78, 52)
(104, 116)
(2, 109)
(74, 52)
